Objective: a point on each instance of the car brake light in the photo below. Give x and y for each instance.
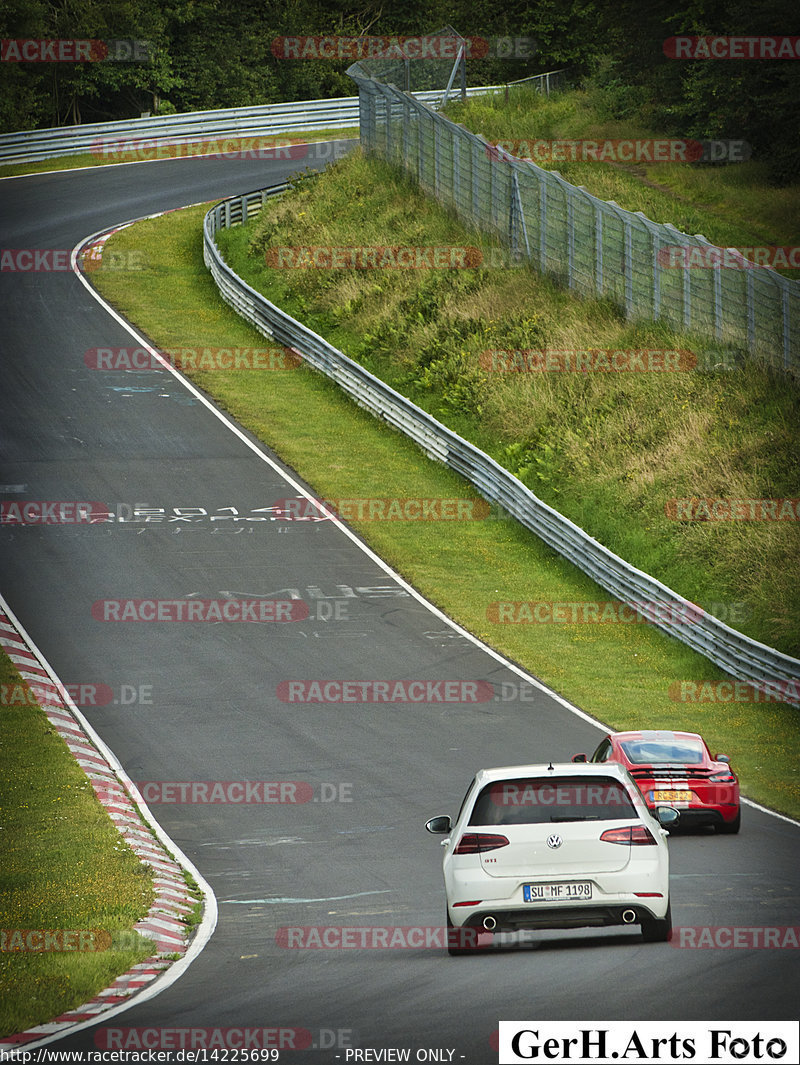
(478, 842)
(633, 835)
(725, 777)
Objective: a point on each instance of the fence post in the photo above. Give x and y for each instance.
(570, 237)
(542, 222)
(655, 246)
(436, 159)
(476, 203)
(516, 219)
(456, 148)
(627, 265)
(785, 315)
(598, 249)
(388, 103)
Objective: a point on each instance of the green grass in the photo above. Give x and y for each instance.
(732, 205)
(619, 673)
(64, 866)
(85, 159)
(608, 450)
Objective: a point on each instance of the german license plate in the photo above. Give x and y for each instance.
(581, 889)
(674, 795)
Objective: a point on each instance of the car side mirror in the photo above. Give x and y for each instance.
(667, 816)
(579, 758)
(722, 758)
(439, 825)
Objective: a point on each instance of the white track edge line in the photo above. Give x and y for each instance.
(534, 681)
(210, 909)
(256, 449)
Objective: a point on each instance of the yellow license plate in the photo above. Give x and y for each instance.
(673, 796)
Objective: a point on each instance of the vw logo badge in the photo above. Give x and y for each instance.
(554, 841)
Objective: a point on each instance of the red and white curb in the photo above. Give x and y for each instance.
(164, 922)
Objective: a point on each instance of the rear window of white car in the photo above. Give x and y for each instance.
(536, 801)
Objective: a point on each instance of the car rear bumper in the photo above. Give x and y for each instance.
(600, 916)
(695, 816)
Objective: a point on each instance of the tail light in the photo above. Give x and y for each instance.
(632, 835)
(724, 777)
(478, 842)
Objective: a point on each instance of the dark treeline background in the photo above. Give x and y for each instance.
(217, 53)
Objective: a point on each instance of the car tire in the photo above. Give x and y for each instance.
(729, 828)
(657, 930)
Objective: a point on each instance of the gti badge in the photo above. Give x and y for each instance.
(554, 841)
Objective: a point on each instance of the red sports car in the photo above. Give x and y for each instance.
(676, 769)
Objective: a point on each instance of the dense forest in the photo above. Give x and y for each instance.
(203, 54)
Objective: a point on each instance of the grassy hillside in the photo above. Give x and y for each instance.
(609, 450)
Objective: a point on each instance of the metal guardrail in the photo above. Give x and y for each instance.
(738, 655)
(111, 138)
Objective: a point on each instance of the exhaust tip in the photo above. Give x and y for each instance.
(628, 916)
(489, 923)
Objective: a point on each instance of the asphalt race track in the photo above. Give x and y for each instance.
(215, 713)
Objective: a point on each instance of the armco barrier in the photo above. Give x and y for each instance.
(737, 654)
(30, 146)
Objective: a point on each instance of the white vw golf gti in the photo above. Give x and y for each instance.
(555, 846)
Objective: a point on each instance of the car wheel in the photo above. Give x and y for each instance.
(462, 940)
(655, 930)
(728, 828)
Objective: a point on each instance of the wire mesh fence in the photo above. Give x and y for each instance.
(595, 247)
